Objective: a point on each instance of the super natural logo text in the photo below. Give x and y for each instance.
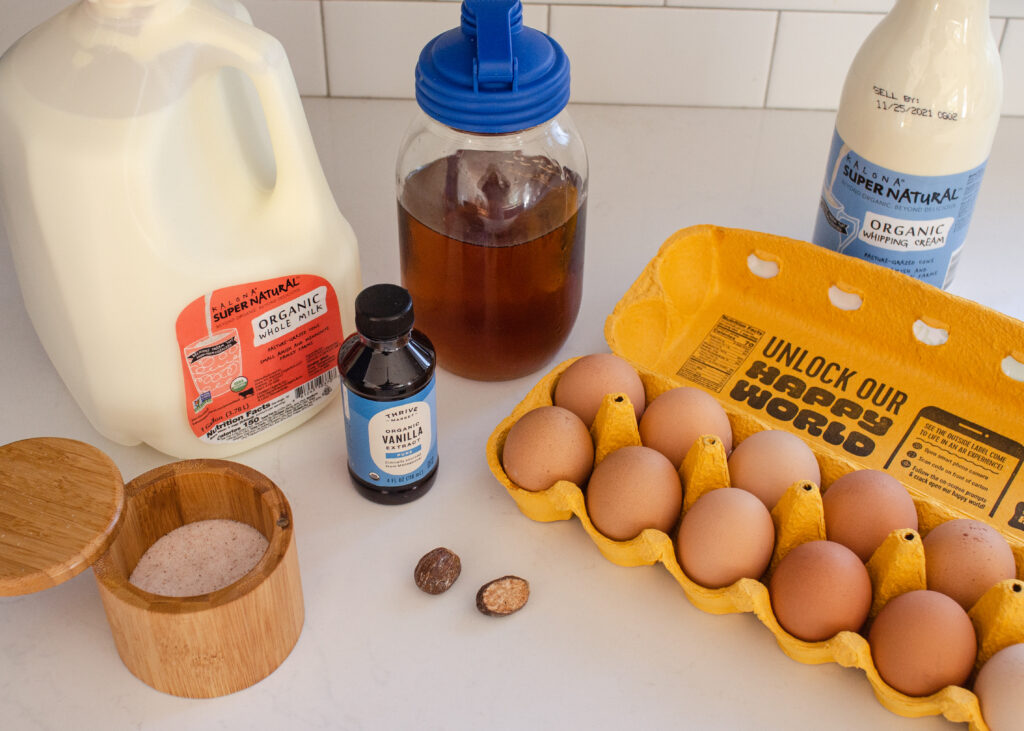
(891, 188)
(256, 298)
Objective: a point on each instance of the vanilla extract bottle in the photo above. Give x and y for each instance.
(388, 396)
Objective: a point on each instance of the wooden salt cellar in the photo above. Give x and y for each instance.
(197, 647)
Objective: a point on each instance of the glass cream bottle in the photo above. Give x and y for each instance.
(915, 125)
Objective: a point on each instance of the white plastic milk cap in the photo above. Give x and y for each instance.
(137, 9)
(121, 4)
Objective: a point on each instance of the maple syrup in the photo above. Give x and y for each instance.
(491, 246)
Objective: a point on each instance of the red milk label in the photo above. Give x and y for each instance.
(257, 354)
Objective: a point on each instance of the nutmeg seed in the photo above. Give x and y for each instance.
(437, 571)
(503, 596)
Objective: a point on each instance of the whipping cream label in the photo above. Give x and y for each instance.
(237, 384)
(914, 224)
(899, 234)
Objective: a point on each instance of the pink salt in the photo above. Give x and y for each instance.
(199, 557)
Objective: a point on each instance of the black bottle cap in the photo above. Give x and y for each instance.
(384, 312)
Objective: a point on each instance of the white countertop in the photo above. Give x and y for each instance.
(597, 646)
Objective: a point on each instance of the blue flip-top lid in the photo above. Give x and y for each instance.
(492, 74)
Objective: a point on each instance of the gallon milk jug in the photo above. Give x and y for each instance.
(178, 249)
(916, 121)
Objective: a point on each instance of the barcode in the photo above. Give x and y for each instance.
(319, 382)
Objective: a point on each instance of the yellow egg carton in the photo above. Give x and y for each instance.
(768, 326)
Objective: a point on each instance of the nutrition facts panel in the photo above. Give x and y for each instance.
(720, 353)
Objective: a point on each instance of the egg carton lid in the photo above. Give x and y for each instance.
(873, 368)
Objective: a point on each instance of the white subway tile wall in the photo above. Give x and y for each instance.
(813, 52)
(662, 55)
(1012, 53)
(19, 16)
(790, 54)
(998, 8)
(298, 25)
(372, 47)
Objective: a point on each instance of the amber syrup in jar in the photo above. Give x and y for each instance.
(491, 247)
(387, 373)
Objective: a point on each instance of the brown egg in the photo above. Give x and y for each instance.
(964, 558)
(679, 417)
(768, 462)
(921, 642)
(548, 444)
(998, 687)
(584, 384)
(727, 535)
(634, 488)
(863, 507)
(818, 589)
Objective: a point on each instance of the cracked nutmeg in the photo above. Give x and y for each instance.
(503, 596)
(437, 571)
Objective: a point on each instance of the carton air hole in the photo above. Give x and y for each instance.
(1013, 367)
(761, 266)
(930, 334)
(844, 300)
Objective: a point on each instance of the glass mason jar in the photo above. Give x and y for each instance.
(491, 184)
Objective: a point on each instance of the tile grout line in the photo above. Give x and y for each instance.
(771, 59)
(721, 108)
(323, 35)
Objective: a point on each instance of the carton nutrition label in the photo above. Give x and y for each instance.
(962, 464)
(721, 353)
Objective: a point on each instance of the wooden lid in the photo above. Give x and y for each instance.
(60, 503)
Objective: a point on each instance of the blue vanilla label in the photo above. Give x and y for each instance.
(914, 224)
(391, 443)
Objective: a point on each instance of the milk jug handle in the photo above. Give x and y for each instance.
(263, 59)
